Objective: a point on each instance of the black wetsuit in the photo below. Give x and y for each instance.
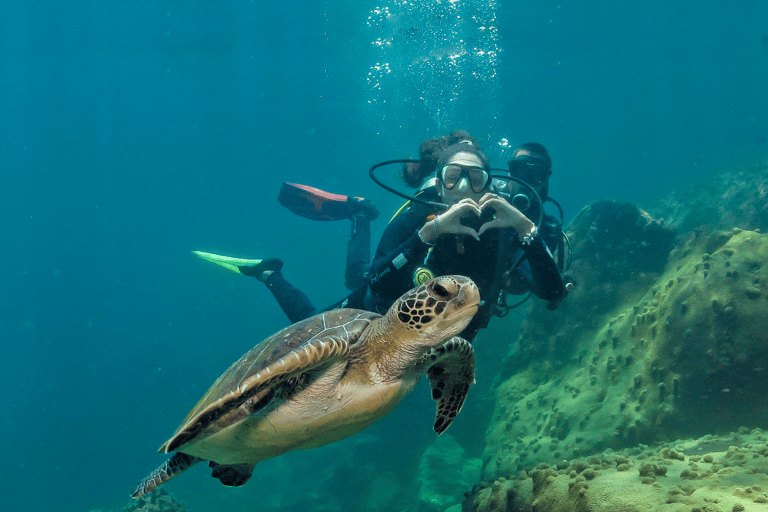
(358, 253)
(486, 262)
(401, 252)
(297, 305)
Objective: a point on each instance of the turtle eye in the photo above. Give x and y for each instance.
(441, 291)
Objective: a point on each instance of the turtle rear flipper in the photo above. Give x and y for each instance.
(176, 465)
(231, 475)
(450, 376)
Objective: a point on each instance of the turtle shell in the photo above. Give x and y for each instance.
(343, 328)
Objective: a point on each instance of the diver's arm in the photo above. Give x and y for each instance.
(539, 272)
(390, 274)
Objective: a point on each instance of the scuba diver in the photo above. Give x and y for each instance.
(455, 224)
(481, 235)
(531, 164)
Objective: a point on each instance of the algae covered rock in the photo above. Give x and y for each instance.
(688, 356)
(159, 500)
(501, 496)
(714, 473)
(713, 325)
(732, 199)
(618, 250)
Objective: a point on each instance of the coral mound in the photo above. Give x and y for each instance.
(712, 316)
(687, 357)
(711, 474)
(157, 501)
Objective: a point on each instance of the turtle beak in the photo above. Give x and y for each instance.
(468, 297)
(463, 307)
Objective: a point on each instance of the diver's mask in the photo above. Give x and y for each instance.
(499, 178)
(452, 174)
(531, 169)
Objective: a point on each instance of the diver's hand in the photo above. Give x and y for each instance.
(449, 222)
(507, 216)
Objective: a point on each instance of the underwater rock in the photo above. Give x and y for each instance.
(618, 250)
(159, 500)
(501, 496)
(444, 474)
(686, 357)
(732, 199)
(712, 325)
(725, 474)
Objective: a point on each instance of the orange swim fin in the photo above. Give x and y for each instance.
(315, 204)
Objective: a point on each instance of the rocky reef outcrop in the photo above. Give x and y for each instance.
(159, 500)
(618, 251)
(665, 335)
(733, 199)
(693, 346)
(710, 474)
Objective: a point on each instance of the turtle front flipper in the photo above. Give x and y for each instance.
(451, 373)
(176, 465)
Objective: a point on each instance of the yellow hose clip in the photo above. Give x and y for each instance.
(421, 275)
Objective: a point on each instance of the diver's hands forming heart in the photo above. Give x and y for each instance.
(506, 216)
(449, 222)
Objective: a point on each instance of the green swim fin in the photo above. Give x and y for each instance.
(253, 268)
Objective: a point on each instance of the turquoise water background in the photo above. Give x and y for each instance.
(132, 132)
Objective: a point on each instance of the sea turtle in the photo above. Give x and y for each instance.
(326, 378)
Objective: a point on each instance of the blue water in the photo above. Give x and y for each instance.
(132, 132)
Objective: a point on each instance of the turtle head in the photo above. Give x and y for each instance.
(439, 309)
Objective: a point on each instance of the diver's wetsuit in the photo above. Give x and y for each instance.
(401, 251)
(297, 305)
(358, 253)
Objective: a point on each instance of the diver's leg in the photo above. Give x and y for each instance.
(294, 303)
(358, 253)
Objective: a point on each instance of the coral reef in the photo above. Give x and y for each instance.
(692, 347)
(732, 199)
(710, 474)
(664, 337)
(618, 251)
(157, 501)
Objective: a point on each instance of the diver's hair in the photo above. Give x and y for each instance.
(537, 150)
(434, 152)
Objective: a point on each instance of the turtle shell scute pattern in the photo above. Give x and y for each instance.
(346, 324)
